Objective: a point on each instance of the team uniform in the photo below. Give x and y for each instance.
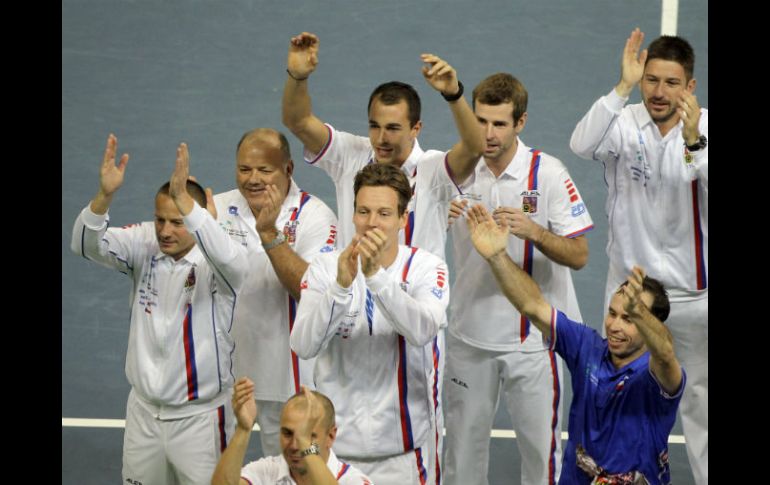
(491, 347)
(377, 359)
(265, 312)
(274, 471)
(621, 417)
(178, 363)
(657, 206)
(429, 175)
(433, 188)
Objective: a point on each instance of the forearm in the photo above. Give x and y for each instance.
(522, 291)
(571, 252)
(660, 343)
(594, 128)
(228, 470)
(656, 336)
(319, 314)
(317, 471)
(288, 265)
(101, 203)
(418, 318)
(92, 240)
(467, 152)
(226, 256)
(296, 106)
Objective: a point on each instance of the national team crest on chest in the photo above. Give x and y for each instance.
(290, 231)
(189, 283)
(529, 201)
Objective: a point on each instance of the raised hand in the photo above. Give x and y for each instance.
(632, 63)
(632, 292)
(269, 212)
(487, 236)
(689, 111)
(210, 205)
(312, 416)
(303, 55)
(370, 248)
(244, 405)
(178, 183)
(439, 74)
(111, 176)
(347, 263)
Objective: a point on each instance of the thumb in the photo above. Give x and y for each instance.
(210, 206)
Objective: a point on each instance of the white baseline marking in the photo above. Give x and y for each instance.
(121, 423)
(669, 17)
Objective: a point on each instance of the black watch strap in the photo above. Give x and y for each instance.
(455, 96)
(698, 145)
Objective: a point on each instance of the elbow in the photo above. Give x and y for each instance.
(577, 148)
(288, 121)
(578, 255)
(420, 339)
(529, 310)
(477, 147)
(303, 350)
(579, 261)
(292, 122)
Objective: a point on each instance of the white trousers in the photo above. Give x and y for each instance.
(531, 388)
(181, 451)
(410, 468)
(269, 421)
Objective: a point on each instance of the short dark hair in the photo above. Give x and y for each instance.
(193, 188)
(502, 88)
(661, 307)
(392, 93)
(329, 419)
(267, 135)
(673, 48)
(384, 174)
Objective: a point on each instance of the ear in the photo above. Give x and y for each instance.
(691, 85)
(416, 129)
(521, 123)
(403, 219)
(290, 167)
(332, 435)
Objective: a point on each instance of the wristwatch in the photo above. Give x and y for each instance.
(312, 450)
(698, 145)
(279, 239)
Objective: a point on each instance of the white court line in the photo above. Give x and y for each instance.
(668, 17)
(121, 423)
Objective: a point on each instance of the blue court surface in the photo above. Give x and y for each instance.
(204, 72)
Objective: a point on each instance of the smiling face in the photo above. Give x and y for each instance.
(623, 338)
(376, 207)
(389, 132)
(260, 162)
(292, 418)
(172, 235)
(662, 85)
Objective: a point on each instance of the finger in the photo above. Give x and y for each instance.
(643, 57)
(272, 196)
(444, 70)
(351, 247)
(438, 66)
(109, 150)
(367, 244)
(381, 236)
(123, 162)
